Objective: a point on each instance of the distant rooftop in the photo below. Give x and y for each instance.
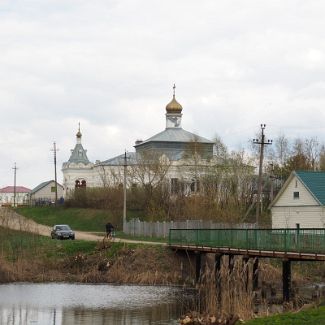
(119, 160)
(19, 189)
(176, 135)
(40, 186)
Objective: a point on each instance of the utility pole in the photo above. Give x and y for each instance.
(262, 143)
(55, 177)
(15, 172)
(124, 190)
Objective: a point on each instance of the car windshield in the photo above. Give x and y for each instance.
(63, 227)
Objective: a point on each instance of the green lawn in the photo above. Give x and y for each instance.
(14, 244)
(309, 317)
(91, 220)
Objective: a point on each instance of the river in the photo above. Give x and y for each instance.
(80, 304)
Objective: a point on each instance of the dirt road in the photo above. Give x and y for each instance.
(11, 219)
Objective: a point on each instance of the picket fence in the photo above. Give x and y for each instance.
(135, 227)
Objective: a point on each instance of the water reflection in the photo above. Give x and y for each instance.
(66, 304)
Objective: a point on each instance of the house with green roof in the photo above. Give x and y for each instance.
(300, 202)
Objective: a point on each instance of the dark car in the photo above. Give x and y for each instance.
(62, 232)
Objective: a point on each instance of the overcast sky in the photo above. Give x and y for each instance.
(111, 65)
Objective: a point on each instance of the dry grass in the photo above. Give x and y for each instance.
(28, 256)
(233, 295)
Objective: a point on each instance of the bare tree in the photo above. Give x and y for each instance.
(322, 158)
(281, 144)
(110, 175)
(220, 149)
(311, 150)
(150, 169)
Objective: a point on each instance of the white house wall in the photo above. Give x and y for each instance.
(287, 199)
(46, 193)
(288, 211)
(305, 216)
(8, 198)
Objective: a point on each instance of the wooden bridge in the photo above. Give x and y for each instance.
(297, 244)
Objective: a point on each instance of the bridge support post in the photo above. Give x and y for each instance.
(286, 280)
(198, 262)
(246, 271)
(255, 274)
(217, 268)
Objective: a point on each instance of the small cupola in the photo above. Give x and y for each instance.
(174, 106)
(174, 113)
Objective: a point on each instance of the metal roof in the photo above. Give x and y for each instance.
(78, 155)
(40, 186)
(175, 135)
(315, 182)
(119, 160)
(19, 189)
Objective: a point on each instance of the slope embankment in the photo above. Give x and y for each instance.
(15, 221)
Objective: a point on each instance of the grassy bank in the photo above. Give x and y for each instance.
(90, 220)
(31, 257)
(79, 219)
(315, 316)
(34, 258)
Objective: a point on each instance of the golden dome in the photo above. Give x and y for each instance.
(174, 106)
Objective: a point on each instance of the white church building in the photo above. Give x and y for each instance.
(174, 155)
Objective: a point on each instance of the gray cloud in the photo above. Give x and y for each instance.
(111, 65)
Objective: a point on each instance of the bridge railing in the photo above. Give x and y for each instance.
(304, 240)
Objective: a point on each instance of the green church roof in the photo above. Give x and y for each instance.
(315, 182)
(78, 155)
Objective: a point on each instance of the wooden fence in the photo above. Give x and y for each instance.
(135, 227)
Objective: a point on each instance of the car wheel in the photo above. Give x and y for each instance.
(72, 238)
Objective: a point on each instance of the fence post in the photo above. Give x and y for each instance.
(298, 237)
(285, 240)
(138, 227)
(164, 229)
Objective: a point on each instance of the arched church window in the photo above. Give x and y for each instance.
(195, 186)
(174, 186)
(77, 183)
(83, 183)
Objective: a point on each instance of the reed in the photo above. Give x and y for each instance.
(228, 292)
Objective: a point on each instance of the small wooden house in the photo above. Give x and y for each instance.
(44, 193)
(300, 202)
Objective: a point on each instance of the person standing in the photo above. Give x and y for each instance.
(109, 230)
